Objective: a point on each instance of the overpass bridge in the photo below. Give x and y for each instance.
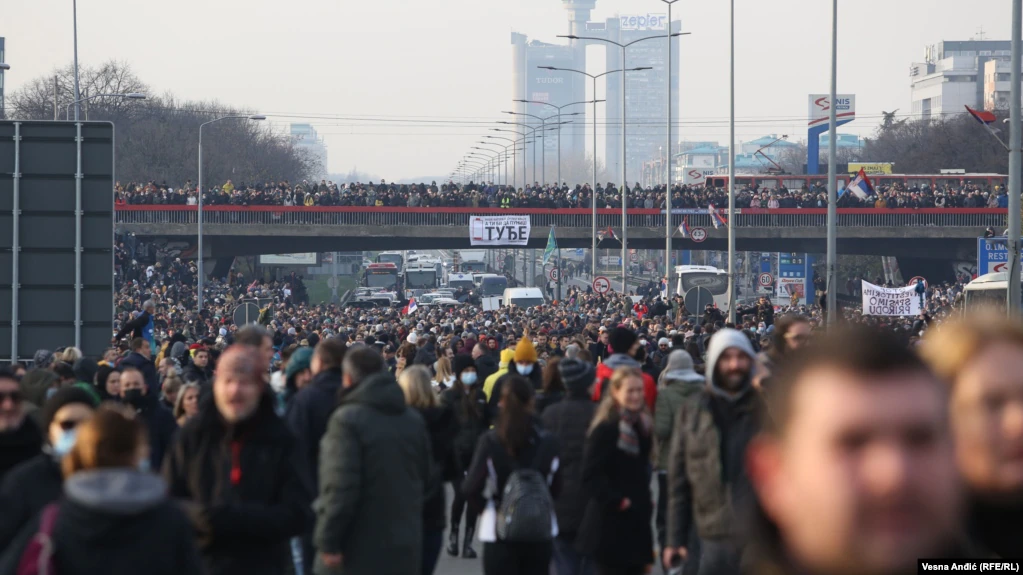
(934, 233)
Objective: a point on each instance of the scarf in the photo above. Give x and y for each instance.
(628, 437)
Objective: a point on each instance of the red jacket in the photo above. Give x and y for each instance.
(604, 373)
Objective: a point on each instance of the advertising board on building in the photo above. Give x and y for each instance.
(644, 22)
(499, 230)
(879, 300)
(820, 108)
(992, 255)
(871, 168)
(288, 259)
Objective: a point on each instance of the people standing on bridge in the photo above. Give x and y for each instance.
(375, 476)
(981, 359)
(237, 467)
(855, 469)
(469, 404)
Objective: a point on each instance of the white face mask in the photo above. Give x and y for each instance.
(524, 368)
(469, 378)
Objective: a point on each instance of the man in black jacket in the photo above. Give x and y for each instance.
(310, 411)
(569, 420)
(199, 371)
(140, 359)
(237, 466)
(158, 419)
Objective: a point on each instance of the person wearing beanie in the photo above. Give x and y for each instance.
(722, 420)
(38, 481)
(507, 359)
(470, 406)
(525, 365)
(569, 420)
(623, 345)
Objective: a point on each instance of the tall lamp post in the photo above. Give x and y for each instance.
(128, 96)
(831, 285)
(559, 108)
(1015, 167)
(543, 123)
(523, 134)
(515, 156)
(501, 159)
(668, 228)
(593, 255)
(199, 201)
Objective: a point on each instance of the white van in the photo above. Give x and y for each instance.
(523, 297)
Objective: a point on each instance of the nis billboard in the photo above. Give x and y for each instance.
(644, 22)
(820, 108)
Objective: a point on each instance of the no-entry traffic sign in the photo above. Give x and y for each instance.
(912, 282)
(601, 284)
(698, 234)
(765, 280)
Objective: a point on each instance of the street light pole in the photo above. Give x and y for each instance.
(831, 286)
(668, 228)
(731, 166)
(1015, 163)
(199, 202)
(78, 93)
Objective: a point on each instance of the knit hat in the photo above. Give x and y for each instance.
(300, 360)
(578, 375)
(412, 338)
(621, 340)
(525, 352)
(461, 362)
(507, 357)
(42, 358)
(62, 397)
(663, 341)
(85, 370)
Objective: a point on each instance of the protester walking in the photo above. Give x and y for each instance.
(615, 531)
(20, 437)
(158, 419)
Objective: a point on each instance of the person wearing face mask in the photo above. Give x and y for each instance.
(158, 419)
(37, 482)
(470, 406)
(112, 517)
(706, 470)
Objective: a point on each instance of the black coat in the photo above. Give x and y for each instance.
(148, 369)
(19, 445)
(442, 425)
(472, 417)
(539, 454)
(535, 377)
(198, 375)
(486, 366)
(427, 355)
(25, 491)
(569, 420)
(612, 536)
(249, 487)
(161, 425)
(308, 414)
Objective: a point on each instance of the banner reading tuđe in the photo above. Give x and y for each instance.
(879, 300)
(499, 230)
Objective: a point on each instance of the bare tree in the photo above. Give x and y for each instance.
(928, 146)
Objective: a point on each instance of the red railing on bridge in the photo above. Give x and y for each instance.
(571, 217)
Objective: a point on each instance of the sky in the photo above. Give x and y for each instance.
(365, 69)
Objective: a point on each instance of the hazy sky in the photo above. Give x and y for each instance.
(449, 61)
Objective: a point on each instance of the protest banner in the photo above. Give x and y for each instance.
(879, 300)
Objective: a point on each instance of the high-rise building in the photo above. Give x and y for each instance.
(646, 92)
(305, 139)
(952, 76)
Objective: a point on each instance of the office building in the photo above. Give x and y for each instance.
(305, 139)
(952, 76)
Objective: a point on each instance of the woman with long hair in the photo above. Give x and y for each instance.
(553, 386)
(108, 383)
(615, 531)
(470, 406)
(517, 442)
(442, 426)
(113, 517)
(443, 378)
(187, 405)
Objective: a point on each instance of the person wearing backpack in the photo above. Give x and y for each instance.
(615, 531)
(513, 480)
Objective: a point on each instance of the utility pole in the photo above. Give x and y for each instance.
(1015, 161)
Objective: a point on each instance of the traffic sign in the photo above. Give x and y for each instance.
(765, 280)
(698, 234)
(633, 257)
(912, 281)
(992, 255)
(553, 274)
(601, 284)
(246, 313)
(696, 299)
(650, 266)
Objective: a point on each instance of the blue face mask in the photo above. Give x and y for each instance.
(469, 378)
(524, 369)
(65, 442)
(144, 465)
(50, 392)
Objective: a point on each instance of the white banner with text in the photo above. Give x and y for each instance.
(499, 230)
(879, 300)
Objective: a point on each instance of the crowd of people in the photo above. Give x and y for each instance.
(594, 435)
(550, 196)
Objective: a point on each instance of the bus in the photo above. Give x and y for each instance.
(382, 275)
(988, 290)
(459, 281)
(421, 275)
(391, 258)
(473, 261)
(710, 277)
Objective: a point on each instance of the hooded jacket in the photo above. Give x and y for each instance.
(375, 474)
(115, 521)
(308, 414)
(678, 383)
(706, 455)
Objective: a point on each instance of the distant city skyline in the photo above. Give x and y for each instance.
(402, 88)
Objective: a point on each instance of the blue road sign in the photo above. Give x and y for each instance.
(992, 255)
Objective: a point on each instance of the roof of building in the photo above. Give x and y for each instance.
(770, 140)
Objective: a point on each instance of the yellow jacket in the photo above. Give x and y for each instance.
(488, 385)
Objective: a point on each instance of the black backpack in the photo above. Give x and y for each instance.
(526, 509)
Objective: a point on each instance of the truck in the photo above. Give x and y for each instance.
(473, 261)
(421, 275)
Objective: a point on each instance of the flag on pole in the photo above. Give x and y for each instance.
(411, 307)
(552, 245)
(715, 217)
(611, 233)
(986, 119)
(860, 186)
(683, 228)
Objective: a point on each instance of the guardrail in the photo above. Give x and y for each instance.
(568, 218)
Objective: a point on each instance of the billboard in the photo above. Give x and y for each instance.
(288, 259)
(499, 230)
(871, 168)
(820, 108)
(651, 22)
(51, 294)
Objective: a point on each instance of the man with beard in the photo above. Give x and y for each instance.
(855, 471)
(706, 458)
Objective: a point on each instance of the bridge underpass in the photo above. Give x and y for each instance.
(927, 236)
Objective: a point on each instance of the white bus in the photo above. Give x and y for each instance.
(710, 277)
(988, 290)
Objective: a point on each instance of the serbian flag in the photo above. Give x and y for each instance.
(982, 116)
(683, 228)
(715, 217)
(860, 186)
(411, 307)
